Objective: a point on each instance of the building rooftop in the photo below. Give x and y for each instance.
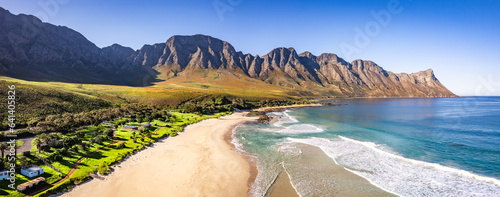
(32, 168)
(32, 182)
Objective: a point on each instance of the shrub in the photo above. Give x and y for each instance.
(103, 169)
(121, 145)
(108, 132)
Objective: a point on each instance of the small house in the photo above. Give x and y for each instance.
(145, 126)
(31, 171)
(130, 128)
(4, 174)
(30, 184)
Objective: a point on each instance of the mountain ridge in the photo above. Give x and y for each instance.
(58, 53)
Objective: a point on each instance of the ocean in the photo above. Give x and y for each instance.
(404, 147)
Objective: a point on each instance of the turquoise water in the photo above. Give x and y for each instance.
(410, 147)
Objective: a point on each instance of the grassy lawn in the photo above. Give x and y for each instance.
(108, 155)
(68, 160)
(124, 134)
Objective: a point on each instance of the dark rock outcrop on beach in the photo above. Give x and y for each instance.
(33, 50)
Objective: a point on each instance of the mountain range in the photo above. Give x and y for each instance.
(33, 50)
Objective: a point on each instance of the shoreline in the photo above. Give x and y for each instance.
(254, 171)
(198, 162)
(116, 180)
(280, 108)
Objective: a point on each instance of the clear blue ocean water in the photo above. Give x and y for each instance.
(410, 147)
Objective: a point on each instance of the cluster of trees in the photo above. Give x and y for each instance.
(207, 104)
(67, 121)
(34, 101)
(4, 160)
(3, 147)
(222, 103)
(242, 104)
(58, 146)
(281, 102)
(149, 115)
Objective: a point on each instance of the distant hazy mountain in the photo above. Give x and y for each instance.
(32, 50)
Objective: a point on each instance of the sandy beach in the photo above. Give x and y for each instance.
(198, 162)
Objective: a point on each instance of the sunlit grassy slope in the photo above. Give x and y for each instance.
(174, 89)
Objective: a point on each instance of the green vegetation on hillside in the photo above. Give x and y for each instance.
(56, 106)
(36, 102)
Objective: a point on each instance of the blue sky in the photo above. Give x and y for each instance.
(459, 39)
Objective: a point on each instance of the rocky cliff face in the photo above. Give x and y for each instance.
(59, 53)
(284, 67)
(33, 50)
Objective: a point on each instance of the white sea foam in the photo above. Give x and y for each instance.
(297, 129)
(403, 176)
(236, 142)
(285, 125)
(263, 180)
(289, 149)
(283, 118)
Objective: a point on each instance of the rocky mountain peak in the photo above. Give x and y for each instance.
(199, 41)
(330, 58)
(118, 50)
(307, 54)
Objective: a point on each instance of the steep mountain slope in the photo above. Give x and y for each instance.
(33, 50)
(56, 53)
(283, 67)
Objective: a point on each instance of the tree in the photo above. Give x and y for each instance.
(80, 147)
(103, 168)
(63, 151)
(99, 139)
(147, 119)
(33, 121)
(139, 118)
(23, 161)
(56, 156)
(37, 143)
(121, 145)
(108, 132)
(70, 141)
(44, 138)
(74, 148)
(3, 146)
(80, 133)
(85, 146)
